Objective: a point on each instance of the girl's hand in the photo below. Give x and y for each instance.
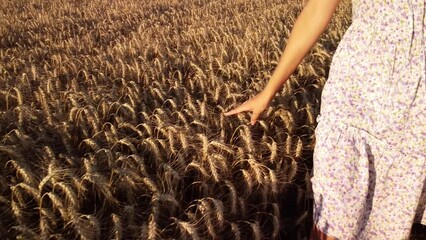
(256, 104)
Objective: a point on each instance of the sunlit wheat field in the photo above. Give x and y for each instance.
(112, 125)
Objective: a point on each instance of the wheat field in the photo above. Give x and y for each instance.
(112, 125)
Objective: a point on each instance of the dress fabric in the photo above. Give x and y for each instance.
(369, 174)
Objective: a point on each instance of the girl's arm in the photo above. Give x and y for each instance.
(309, 25)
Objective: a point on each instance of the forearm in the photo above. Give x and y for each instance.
(309, 25)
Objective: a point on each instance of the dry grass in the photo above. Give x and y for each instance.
(111, 120)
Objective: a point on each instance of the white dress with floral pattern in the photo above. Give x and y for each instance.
(369, 174)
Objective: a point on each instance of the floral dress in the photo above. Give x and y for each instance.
(369, 174)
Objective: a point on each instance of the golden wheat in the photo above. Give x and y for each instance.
(112, 125)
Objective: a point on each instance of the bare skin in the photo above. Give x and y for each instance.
(317, 234)
(309, 25)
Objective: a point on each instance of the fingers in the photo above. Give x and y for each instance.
(236, 110)
(254, 117)
(245, 107)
